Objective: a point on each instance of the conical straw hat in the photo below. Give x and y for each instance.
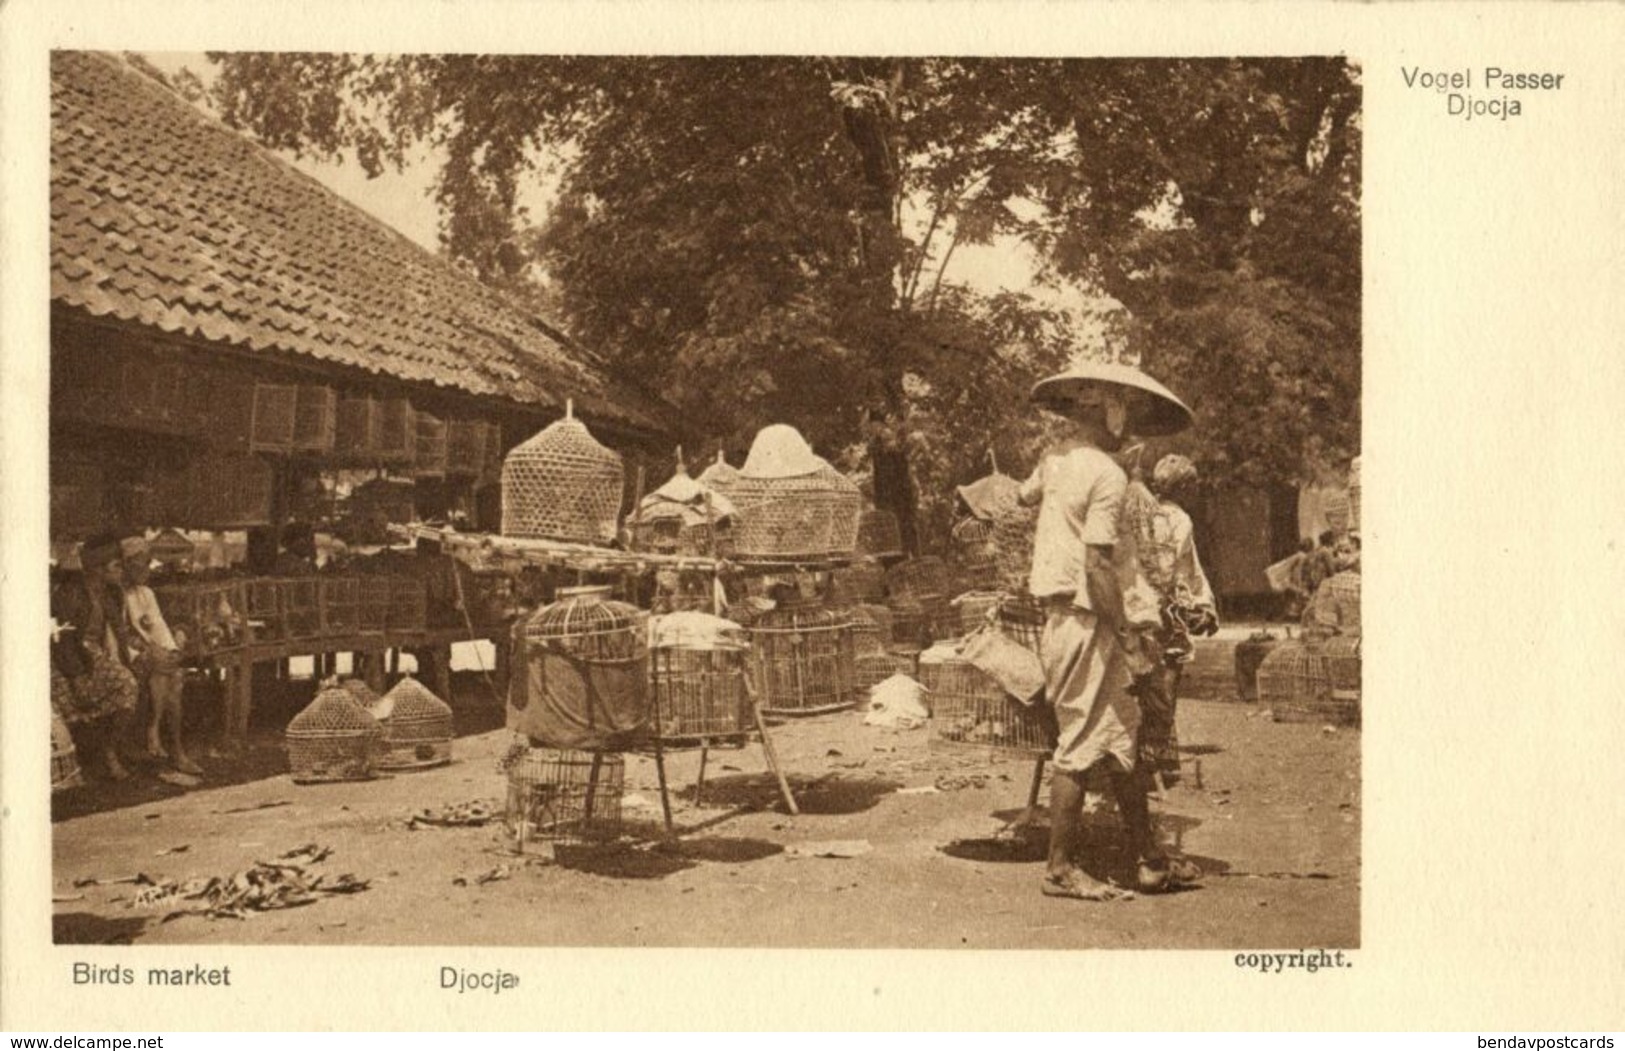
(1152, 408)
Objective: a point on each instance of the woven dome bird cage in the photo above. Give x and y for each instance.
(697, 664)
(1354, 495)
(975, 556)
(64, 757)
(560, 484)
(684, 516)
(802, 660)
(792, 505)
(1308, 681)
(879, 534)
(583, 681)
(970, 711)
(418, 727)
(719, 474)
(333, 739)
(563, 796)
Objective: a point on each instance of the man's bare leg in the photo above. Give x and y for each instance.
(1063, 878)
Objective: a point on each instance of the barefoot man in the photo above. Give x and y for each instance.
(1086, 646)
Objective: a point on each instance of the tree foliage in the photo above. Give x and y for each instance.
(768, 239)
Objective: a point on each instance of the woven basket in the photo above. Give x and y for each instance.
(1302, 681)
(562, 485)
(699, 694)
(563, 796)
(418, 730)
(802, 660)
(969, 711)
(333, 739)
(879, 535)
(808, 517)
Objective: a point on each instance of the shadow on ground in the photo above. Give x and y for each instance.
(824, 795)
(84, 928)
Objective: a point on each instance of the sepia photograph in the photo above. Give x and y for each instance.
(751, 502)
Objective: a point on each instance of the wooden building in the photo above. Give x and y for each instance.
(224, 329)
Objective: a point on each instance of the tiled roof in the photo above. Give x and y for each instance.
(164, 216)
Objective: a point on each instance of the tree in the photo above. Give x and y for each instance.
(766, 238)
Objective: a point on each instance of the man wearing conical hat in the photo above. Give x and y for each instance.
(1088, 647)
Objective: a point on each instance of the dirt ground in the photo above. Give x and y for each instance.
(1271, 811)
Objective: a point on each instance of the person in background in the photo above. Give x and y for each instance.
(1167, 599)
(1335, 609)
(1319, 565)
(98, 694)
(154, 657)
(1079, 491)
(298, 557)
(1298, 592)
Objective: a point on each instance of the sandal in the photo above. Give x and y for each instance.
(1160, 874)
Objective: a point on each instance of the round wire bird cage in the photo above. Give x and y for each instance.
(563, 796)
(64, 757)
(802, 660)
(1308, 681)
(418, 728)
(975, 556)
(697, 664)
(863, 581)
(976, 608)
(879, 534)
(562, 485)
(1014, 528)
(970, 711)
(585, 672)
(333, 739)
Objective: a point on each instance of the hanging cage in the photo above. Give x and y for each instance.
(563, 796)
(561, 484)
(970, 711)
(418, 728)
(803, 660)
(333, 739)
(1014, 528)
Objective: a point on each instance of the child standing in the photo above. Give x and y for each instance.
(155, 656)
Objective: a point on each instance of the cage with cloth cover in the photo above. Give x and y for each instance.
(581, 676)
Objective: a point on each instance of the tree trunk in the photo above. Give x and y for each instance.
(894, 491)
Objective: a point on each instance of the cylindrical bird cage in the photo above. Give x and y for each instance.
(871, 629)
(64, 758)
(1014, 527)
(584, 682)
(802, 658)
(976, 608)
(863, 581)
(562, 485)
(418, 728)
(564, 796)
(697, 663)
(969, 710)
(333, 739)
(976, 559)
(879, 534)
(792, 505)
(1296, 682)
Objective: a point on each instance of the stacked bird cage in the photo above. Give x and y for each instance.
(301, 607)
(430, 446)
(871, 629)
(564, 796)
(863, 581)
(206, 616)
(792, 505)
(918, 591)
(408, 603)
(976, 608)
(333, 739)
(340, 601)
(976, 560)
(684, 517)
(263, 605)
(1296, 682)
(879, 534)
(698, 678)
(315, 422)
(803, 660)
(585, 672)
(64, 758)
(1354, 495)
(418, 728)
(969, 710)
(560, 484)
(373, 592)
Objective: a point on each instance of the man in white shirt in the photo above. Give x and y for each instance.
(1085, 647)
